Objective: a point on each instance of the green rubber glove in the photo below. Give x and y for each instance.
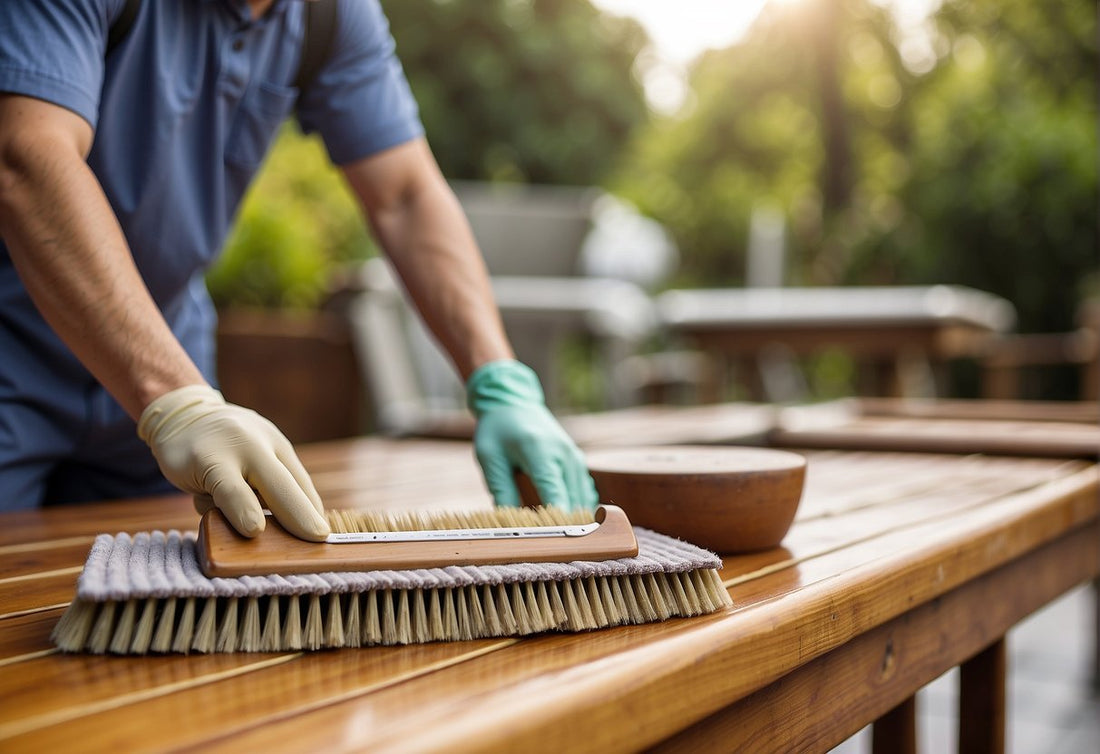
(515, 430)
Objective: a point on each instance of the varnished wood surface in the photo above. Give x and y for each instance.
(1048, 430)
(982, 694)
(878, 537)
(668, 425)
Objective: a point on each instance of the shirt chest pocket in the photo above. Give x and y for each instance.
(255, 124)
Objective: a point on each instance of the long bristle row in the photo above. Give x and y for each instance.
(347, 520)
(383, 617)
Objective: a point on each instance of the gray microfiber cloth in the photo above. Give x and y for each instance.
(162, 565)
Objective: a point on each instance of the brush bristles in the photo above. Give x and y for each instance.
(345, 521)
(383, 617)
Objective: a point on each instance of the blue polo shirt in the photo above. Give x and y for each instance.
(184, 111)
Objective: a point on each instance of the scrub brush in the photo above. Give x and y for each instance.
(147, 592)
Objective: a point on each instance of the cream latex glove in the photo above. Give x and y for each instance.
(232, 458)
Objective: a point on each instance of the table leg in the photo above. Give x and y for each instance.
(896, 731)
(982, 701)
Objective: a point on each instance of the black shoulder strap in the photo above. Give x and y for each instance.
(120, 27)
(320, 28)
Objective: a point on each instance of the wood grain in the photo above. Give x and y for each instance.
(879, 538)
(845, 426)
(982, 713)
(836, 695)
(601, 677)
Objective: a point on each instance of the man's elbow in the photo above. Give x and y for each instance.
(36, 140)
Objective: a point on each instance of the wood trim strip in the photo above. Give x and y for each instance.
(70, 571)
(28, 656)
(33, 610)
(45, 544)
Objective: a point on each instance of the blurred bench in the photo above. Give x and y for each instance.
(1013, 358)
(899, 335)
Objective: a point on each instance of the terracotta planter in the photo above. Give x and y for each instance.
(297, 369)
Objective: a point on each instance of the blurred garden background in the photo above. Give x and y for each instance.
(899, 143)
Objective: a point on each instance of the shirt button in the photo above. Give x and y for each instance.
(238, 45)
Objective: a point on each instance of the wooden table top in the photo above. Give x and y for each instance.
(1058, 430)
(817, 307)
(876, 535)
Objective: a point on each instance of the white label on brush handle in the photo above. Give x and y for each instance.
(429, 535)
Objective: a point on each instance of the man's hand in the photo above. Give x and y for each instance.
(231, 458)
(515, 430)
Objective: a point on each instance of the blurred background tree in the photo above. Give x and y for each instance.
(958, 150)
(536, 91)
(963, 152)
(296, 224)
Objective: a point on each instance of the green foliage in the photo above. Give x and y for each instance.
(976, 164)
(540, 91)
(1004, 180)
(296, 223)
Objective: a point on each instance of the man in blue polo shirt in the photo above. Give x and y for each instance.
(120, 174)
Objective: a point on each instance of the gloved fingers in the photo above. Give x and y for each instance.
(499, 479)
(301, 476)
(237, 500)
(203, 503)
(287, 501)
(581, 486)
(549, 479)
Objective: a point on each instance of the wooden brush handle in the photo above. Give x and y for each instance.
(223, 552)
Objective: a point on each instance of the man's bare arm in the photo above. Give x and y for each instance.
(73, 259)
(421, 225)
(75, 263)
(425, 234)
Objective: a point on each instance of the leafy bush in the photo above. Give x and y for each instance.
(297, 222)
(539, 91)
(974, 164)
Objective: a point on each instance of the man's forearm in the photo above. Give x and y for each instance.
(73, 259)
(426, 236)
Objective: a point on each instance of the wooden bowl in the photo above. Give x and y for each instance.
(727, 499)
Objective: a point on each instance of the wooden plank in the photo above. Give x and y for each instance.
(668, 425)
(185, 690)
(37, 594)
(1077, 412)
(842, 425)
(833, 697)
(27, 635)
(18, 563)
(29, 691)
(1034, 439)
(82, 521)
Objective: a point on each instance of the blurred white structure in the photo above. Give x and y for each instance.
(564, 263)
(625, 245)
